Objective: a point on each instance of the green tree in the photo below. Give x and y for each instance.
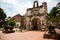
(11, 23)
(2, 17)
(53, 12)
(58, 18)
(54, 16)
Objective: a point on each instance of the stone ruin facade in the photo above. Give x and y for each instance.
(36, 17)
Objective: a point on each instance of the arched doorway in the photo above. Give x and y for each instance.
(35, 23)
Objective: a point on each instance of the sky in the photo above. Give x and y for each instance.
(13, 7)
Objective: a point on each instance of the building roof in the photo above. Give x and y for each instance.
(17, 15)
(17, 18)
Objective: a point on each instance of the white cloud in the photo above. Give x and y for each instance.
(12, 7)
(50, 3)
(14, 2)
(19, 7)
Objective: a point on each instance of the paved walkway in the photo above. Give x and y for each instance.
(30, 35)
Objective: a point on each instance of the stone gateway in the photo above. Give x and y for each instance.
(36, 17)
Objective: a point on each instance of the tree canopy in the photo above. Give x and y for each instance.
(53, 12)
(2, 17)
(53, 15)
(2, 14)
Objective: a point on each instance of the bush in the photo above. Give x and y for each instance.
(11, 23)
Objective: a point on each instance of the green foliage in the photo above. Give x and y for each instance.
(2, 17)
(53, 15)
(53, 12)
(11, 23)
(2, 14)
(58, 18)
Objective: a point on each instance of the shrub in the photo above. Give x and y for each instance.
(11, 23)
